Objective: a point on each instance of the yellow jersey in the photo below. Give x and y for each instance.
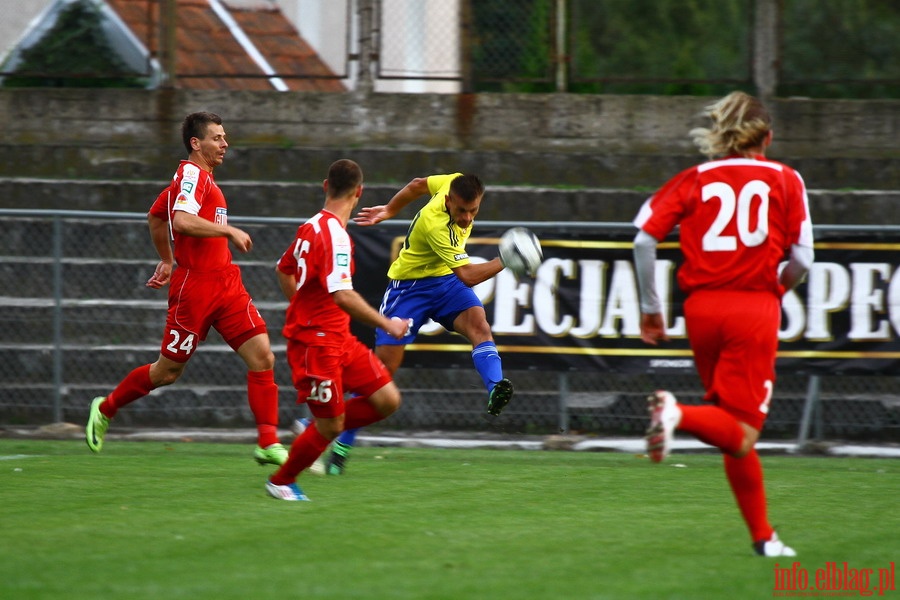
(434, 244)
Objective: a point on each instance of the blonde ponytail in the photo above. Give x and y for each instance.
(740, 123)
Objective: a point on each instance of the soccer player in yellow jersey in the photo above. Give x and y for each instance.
(432, 278)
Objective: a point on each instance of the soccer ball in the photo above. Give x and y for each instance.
(520, 251)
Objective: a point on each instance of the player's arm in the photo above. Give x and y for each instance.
(802, 253)
(653, 327)
(370, 215)
(191, 225)
(797, 267)
(472, 274)
(159, 235)
(287, 282)
(359, 310)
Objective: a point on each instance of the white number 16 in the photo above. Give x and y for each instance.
(320, 391)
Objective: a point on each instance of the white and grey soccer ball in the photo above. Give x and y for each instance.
(520, 251)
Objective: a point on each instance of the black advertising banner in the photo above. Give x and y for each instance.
(581, 310)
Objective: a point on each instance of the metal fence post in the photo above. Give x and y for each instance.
(809, 407)
(465, 47)
(168, 44)
(364, 82)
(765, 48)
(562, 53)
(57, 318)
(563, 386)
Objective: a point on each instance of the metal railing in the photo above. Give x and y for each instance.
(77, 317)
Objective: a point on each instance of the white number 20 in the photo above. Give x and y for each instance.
(729, 202)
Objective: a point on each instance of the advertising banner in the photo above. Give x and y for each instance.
(581, 310)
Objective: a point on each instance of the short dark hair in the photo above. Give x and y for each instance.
(344, 176)
(467, 187)
(194, 126)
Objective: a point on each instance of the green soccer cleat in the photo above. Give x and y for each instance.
(337, 460)
(500, 397)
(97, 425)
(275, 454)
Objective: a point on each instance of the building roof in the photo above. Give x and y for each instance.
(221, 44)
(220, 41)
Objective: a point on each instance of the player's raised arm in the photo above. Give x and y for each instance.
(371, 215)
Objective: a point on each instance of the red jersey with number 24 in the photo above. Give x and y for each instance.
(321, 258)
(738, 217)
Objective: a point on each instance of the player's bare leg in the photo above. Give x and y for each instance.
(137, 384)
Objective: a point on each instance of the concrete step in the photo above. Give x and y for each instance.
(513, 167)
(188, 403)
(101, 322)
(297, 201)
(116, 279)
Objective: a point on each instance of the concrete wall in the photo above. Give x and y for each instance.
(553, 141)
(534, 122)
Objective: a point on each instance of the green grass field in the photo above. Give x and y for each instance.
(188, 520)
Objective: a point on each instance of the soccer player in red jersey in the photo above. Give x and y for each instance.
(740, 216)
(326, 359)
(205, 290)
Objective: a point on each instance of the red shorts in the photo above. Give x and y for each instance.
(199, 300)
(322, 374)
(734, 337)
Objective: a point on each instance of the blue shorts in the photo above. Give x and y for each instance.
(439, 298)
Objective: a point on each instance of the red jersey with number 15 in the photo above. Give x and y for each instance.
(738, 217)
(321, 259)
(194, 191)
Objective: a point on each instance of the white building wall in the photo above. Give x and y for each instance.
(419, 37)
(15, 18)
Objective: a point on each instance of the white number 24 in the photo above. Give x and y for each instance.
(729, 203)
(187, 346)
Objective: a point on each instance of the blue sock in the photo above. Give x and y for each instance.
(487, 363)
(348, 437)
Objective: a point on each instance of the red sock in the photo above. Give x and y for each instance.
(746, 478)
(262, 393)
(713, 426)
(360, 413)
(307, 447)
(136, 385)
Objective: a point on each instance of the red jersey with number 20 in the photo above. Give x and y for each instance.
(321, 258)
(738, 217)
(194, 191)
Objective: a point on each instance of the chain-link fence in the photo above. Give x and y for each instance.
(77, 317)
(704, 47)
